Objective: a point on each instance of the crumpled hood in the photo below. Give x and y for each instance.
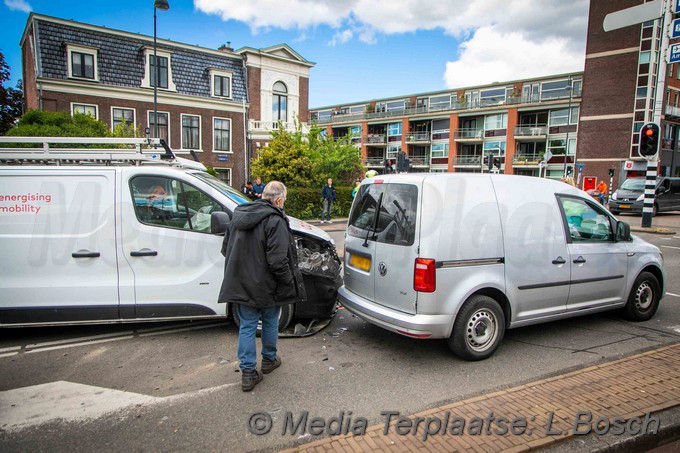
(247, 216)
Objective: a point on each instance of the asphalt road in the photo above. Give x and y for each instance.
(175, 386)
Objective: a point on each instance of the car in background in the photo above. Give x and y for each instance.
(629, 197)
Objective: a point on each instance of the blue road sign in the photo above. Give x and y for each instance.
(674, 53)
(676, 6)
(222, 157)
(675, 28)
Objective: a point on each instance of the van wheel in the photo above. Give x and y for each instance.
(285, 317)
(478, 329)
(643, 300)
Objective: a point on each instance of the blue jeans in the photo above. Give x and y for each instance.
(247, 348)
(326, 207)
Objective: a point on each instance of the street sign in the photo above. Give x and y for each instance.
(222, 157)
(635, 15)
(675, 28)
(676, 6)
(673, 53)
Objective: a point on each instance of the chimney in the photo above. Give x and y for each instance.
(226, 47)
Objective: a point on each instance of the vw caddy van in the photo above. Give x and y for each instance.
(99, 236)
(629, 197)
(466, 256)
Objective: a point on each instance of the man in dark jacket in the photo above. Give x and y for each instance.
(260, 275)
(329, 196)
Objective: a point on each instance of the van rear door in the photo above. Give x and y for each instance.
(380, 248)
(57, 239)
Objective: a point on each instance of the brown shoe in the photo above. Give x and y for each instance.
(249, 379)
(269, 366)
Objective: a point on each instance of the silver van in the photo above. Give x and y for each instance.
(466, 256)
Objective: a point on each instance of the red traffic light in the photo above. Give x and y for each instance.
(649, 140)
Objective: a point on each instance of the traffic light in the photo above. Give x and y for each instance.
(570, 170)
(489, 162)
(401, 162)
(611, 172)
(497, 162)
(649, 140)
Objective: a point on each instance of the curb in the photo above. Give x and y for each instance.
(652, 230)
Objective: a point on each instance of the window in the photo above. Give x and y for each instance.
(586, 222)
(222, 134)
(280, 103)
(440, 102)
(492, 97)
(440, 150)
(556, 147)
(164, 70)
(163, 124)
(554, 90)
(172, 203)
(224, 175)
(561, 117)
(191, 132)
(389, 106)
(82, 62)
(85, 109)
(397, 219)
(121, 115)
(495, 122)
(322, 116)
(221, 83)
(495, 148)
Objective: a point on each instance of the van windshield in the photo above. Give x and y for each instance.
(233, 194)
(634, 184)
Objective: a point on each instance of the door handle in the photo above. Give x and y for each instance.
(559, 260)
(85, 254)
(143, 252)
(579, 260)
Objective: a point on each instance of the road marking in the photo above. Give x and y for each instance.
(670, 247)
(674, 295)
(103, 338)
(71, 402)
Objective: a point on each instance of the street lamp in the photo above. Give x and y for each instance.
(163, 5)
(566, 143)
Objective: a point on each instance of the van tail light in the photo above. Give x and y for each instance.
(424, 276)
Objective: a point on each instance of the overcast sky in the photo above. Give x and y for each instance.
(363, 49)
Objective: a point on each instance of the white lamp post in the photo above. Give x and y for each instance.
(163, 5)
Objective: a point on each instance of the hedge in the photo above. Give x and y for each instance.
(305, 203)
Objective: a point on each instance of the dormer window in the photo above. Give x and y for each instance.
(220, 83)
(164, 70)
(82, 62)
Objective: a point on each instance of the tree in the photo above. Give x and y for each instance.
(339, 160)
(10, 99)
(36, 123)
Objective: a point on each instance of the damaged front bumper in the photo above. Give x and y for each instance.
(320, 265)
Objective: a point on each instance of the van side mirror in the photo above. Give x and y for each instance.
(219, 222)
(622, 232)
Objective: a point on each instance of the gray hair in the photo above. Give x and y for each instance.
(274, 190)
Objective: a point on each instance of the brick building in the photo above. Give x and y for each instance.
(206, 101)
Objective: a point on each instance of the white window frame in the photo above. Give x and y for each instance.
(221, 73)
(70, 48)
(148, 123)
(231, 135)
(96, 108)
(181, 125)
(146, 81)
(444, 152)
(134, 115)
(229, 172)
(497, 121)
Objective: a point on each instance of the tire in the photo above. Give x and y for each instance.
(286, 316)
(643, 300)
(478, 329)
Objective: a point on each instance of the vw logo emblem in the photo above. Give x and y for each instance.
(382, 268)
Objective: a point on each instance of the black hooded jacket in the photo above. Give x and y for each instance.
(261, 261)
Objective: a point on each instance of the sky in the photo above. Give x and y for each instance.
(363, 49)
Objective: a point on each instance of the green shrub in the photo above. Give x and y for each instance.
(305, 203)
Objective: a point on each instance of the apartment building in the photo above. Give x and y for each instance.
(219, 103)
(527, 127)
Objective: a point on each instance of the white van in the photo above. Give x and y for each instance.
(465, 256)
(123, 235)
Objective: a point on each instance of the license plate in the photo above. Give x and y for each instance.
(360, 262)
(624, 206)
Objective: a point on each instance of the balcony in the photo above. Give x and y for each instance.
(418, 137)
(469, 135)
(420, 161)
(467, 161)
(374, 162)
(673, 111)
(531, 133)
(269, 126)
(526, 160)
(375, 140)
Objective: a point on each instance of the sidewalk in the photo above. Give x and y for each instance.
(339, 224)
(637, 387)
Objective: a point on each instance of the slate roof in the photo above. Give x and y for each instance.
(121, 59)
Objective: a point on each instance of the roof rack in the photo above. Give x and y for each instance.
(113, 151)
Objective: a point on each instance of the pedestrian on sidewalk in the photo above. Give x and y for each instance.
(356, 188)
(260, 275)
(329, 196)
(258, 188)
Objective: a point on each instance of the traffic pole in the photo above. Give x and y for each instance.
(650, 187)
(609, 192)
